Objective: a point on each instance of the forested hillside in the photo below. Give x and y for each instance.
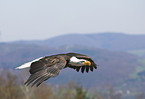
(111, 41)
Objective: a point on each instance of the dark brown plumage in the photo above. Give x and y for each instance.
(50, 66)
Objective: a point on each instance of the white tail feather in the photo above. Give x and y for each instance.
(28, 64)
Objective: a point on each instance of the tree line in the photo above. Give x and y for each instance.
(12, 87)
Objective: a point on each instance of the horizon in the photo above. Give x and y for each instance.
(69, 34)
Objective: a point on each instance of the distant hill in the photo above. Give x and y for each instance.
(116, 67)
(12, 55)
(113, 66)
(110, 41)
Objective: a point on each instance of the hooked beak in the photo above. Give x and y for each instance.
(87, 63)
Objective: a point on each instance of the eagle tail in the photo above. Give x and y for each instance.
(28, 64)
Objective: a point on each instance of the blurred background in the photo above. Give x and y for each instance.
(111, 32)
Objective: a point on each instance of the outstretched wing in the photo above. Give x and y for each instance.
(87, 68)
(44, 69)
(84, 67)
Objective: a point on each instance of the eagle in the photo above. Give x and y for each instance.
(43, 68)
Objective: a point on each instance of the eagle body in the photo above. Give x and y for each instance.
(46, 67)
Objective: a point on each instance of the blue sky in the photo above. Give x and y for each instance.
(42, 19)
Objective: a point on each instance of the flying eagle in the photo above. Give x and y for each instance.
(46, 67)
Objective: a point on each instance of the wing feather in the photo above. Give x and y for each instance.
(44, 69)
(83, 69)
(40, 79)
(36, 66)
(95, 66)
(77, 69)
(87, 69)
(33, 77)
(91, 68)
(44, 79)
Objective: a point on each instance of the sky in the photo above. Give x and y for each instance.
(42, 19)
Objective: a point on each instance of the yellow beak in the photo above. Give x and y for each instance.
(87, 63)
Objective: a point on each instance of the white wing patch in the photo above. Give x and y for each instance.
(28, 64)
